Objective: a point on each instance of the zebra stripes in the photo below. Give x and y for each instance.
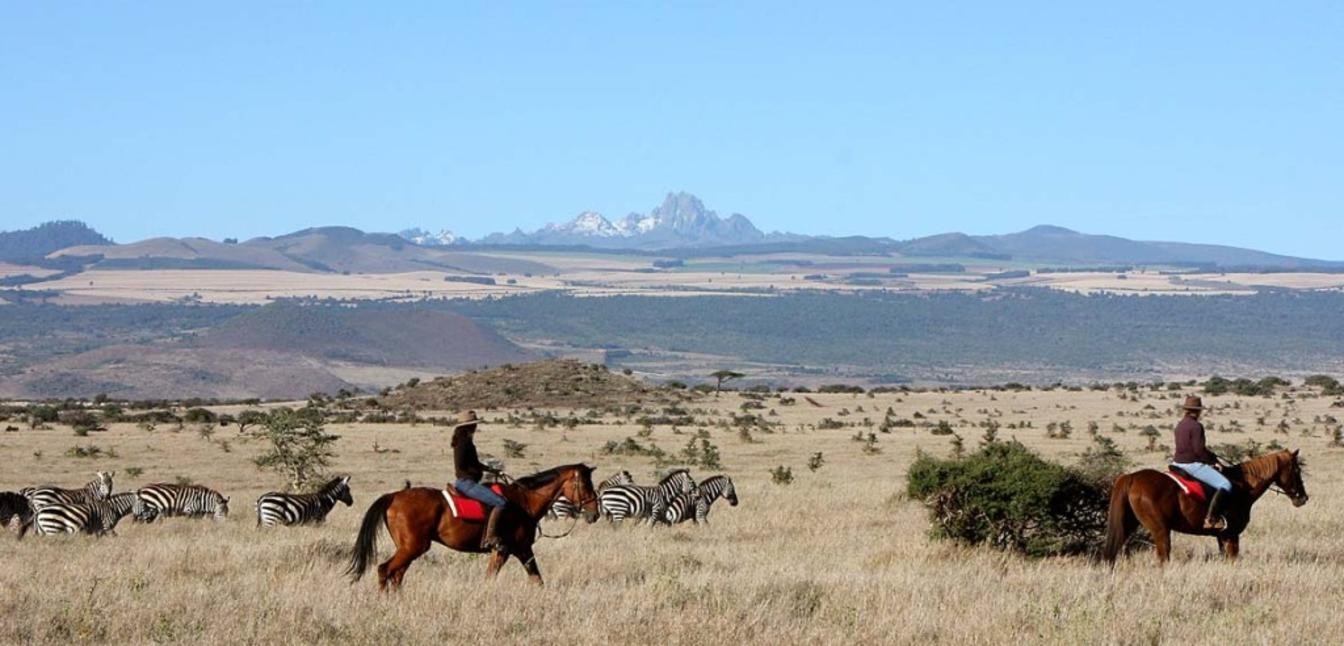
(15, 512)
(303, 509)
(97, 489)
(696, 505)
(165, 499)
(563, 508)
(619, 502)
(92, 517)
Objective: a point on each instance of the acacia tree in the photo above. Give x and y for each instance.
(300, 448)
(722, 376)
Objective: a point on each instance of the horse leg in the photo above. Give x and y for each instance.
(497, 560)
(395, 568)
(1162, 543)
(1231, 546)
(529, 561)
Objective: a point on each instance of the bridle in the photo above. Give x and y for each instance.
(573, 521)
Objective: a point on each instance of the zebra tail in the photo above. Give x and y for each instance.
(366, 542)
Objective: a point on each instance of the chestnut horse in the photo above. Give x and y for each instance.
(417, 516)
(1152, 498)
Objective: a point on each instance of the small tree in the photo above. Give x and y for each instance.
(300, 448)
(722, 376)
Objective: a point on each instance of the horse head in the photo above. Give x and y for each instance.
(578, 487)
(1289, 478)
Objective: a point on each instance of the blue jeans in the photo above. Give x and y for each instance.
(480, 492)
(1207, 474)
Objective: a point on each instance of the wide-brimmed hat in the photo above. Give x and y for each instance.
(467, 418)
(1193, 402)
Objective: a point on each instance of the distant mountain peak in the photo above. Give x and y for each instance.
(681, 220)
(1050, 229)
(424, 238)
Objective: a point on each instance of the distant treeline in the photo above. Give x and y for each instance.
(1009, 327)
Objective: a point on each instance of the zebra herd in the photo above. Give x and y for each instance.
(676, 498)
(94, 509)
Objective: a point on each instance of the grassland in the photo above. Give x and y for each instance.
(838, 556)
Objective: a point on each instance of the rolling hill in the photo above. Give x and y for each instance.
(278, 351)
(323, 249)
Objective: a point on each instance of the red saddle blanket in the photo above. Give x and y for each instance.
(465, 508)
(1189, 486)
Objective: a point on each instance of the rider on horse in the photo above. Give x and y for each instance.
(469, 471)
(1193, 457)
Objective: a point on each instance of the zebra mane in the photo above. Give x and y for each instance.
(542, 478)
(674, 473)
(332, 484)
(713, 479)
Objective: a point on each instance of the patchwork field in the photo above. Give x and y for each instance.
(591, 274)
(840, 555)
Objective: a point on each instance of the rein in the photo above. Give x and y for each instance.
(573, 521)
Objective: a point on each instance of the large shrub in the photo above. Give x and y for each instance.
(1006, 496)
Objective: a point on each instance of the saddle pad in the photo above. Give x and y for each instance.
(464, 508)
(1189, 486)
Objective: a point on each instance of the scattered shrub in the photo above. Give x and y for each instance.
(782, 475)
(1009, 498)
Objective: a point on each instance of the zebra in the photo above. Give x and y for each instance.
(97, 489)
(15, 512)
(696, 506)
(619, 502)
(303, 509)
(164, 499)
(97, 517)
(563, 508)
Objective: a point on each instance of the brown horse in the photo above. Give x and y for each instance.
(1152, 498)
(417, 516)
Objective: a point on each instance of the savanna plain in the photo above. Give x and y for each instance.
(838, 555)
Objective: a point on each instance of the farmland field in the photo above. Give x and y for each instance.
(840, 555)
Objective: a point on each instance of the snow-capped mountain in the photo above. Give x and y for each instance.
(426, 239)
(680, 221)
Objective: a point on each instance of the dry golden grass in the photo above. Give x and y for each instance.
(839, 556)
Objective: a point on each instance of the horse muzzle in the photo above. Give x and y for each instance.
(1298, 501)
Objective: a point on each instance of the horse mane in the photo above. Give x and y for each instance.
(1261, 466)
(542, 478)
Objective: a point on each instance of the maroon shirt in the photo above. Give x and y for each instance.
(1190, 443)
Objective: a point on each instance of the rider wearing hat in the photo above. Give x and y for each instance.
(1193, 457)
(469, 471)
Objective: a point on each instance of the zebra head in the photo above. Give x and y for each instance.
(102, 484)
(340, 488)
(221, 507)
(729, 491)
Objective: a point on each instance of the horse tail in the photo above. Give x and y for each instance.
(1117, 519)
(366, 542)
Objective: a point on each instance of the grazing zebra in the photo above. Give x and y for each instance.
(97, 489)
(303, 509)
(563, 508)
(15, 512)
(92, 517)
(165, 499)
(695, 506)
(619, 502)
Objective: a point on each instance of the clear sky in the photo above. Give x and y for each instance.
(1212, 122)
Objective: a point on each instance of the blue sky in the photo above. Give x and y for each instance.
(1211, 122)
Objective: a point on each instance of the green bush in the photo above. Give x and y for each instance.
(1009, 498)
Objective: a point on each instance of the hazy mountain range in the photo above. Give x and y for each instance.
(681, 226)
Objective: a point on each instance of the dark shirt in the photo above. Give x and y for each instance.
(465, 460)
(1190, 443)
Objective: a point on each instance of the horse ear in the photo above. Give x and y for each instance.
(1295, 451)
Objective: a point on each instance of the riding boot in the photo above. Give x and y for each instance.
(491, 540)
(1214, 519)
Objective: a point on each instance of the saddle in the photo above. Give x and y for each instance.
(469, 509)
(1189, 486)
